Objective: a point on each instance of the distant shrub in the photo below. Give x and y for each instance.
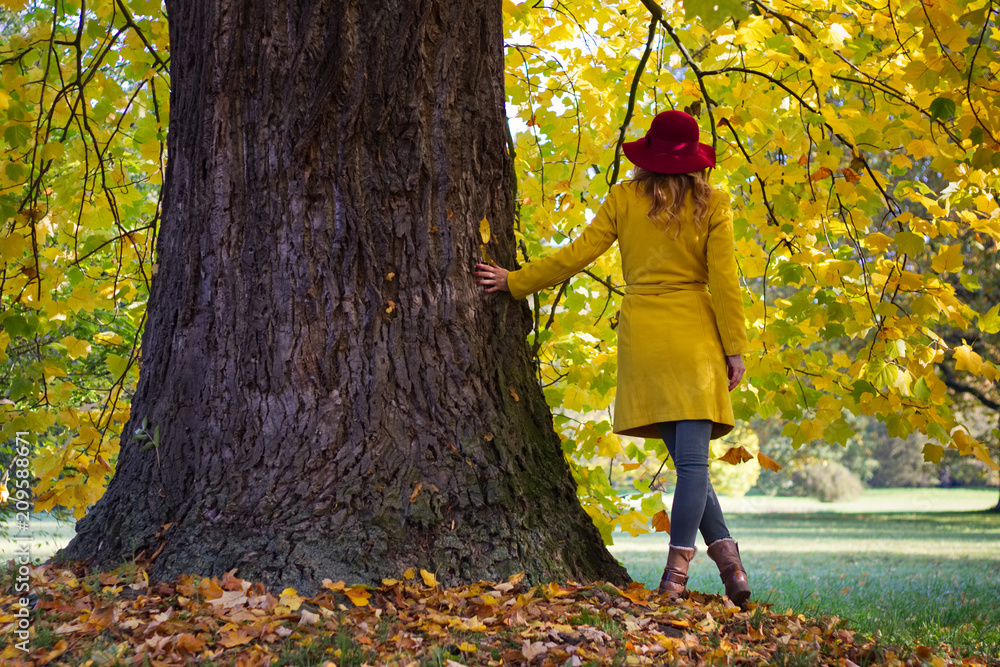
(828, 482)
(959, 470)
(733, 480)
(855, 455)
(901, 463)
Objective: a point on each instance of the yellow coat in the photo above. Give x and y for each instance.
(673, 334)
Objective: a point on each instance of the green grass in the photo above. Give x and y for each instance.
(48, 535)
(915, 577)
(872, 500)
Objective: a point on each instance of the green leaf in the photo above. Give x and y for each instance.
(969, 281)
(989, 322)
(921, 390)
(20, 388)
(117, 365)
(942, 108)
(14, 171)
(652, 504)
(976, 135)
(909, 243)
(860, 388)
(933, 453)
(17, 135)
(839, 431)
(929, 79)
(714, 13)
(17, 326)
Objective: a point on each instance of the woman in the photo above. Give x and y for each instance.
(679, 346)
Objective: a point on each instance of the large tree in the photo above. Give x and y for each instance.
(324, 391)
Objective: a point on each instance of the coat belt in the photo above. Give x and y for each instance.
(664, 288)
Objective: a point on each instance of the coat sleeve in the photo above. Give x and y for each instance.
(565, 262)
(727, 299)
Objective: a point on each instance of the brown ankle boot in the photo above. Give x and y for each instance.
(675, 573)
(726, 554)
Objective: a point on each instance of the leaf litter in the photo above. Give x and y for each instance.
(122, 618)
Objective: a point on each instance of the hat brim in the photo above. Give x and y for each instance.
(641, 155)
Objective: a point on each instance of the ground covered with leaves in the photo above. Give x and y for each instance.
(121, 617)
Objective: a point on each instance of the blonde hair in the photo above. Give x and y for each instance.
(668, 192)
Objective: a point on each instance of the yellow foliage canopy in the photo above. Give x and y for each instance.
(861, 148)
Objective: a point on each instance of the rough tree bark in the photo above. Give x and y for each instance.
(335, 396)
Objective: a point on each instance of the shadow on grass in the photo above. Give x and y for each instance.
(934, 527)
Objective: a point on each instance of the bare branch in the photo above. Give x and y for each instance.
(613, 176)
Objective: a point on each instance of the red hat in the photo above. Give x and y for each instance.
(671, 146)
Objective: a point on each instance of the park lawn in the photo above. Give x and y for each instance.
(915, 577)
(45, 533)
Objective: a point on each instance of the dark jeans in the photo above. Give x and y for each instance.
(695, 504)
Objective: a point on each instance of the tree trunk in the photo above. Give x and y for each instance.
(335, 395)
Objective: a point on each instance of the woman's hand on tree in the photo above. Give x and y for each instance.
(493, 276)
(736, 370)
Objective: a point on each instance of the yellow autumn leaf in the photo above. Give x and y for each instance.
(983, 454)
(633, 523)
(554, 590)
(358, 595)
(948, 259)
(236, 637)
(51, 150)
(75, 347)
(290, 598)
(877, 241)
(108, 338)
(335, 586)
(484, 230)
(966, 359)
(964, 442)
(661, 522)
(736, 455)
(429, 579)
(766, 461)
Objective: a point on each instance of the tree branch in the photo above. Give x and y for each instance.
(130, 23)
(972, 66)
(657, 13)
(953, 384)
(613, 176)
(604, 282)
